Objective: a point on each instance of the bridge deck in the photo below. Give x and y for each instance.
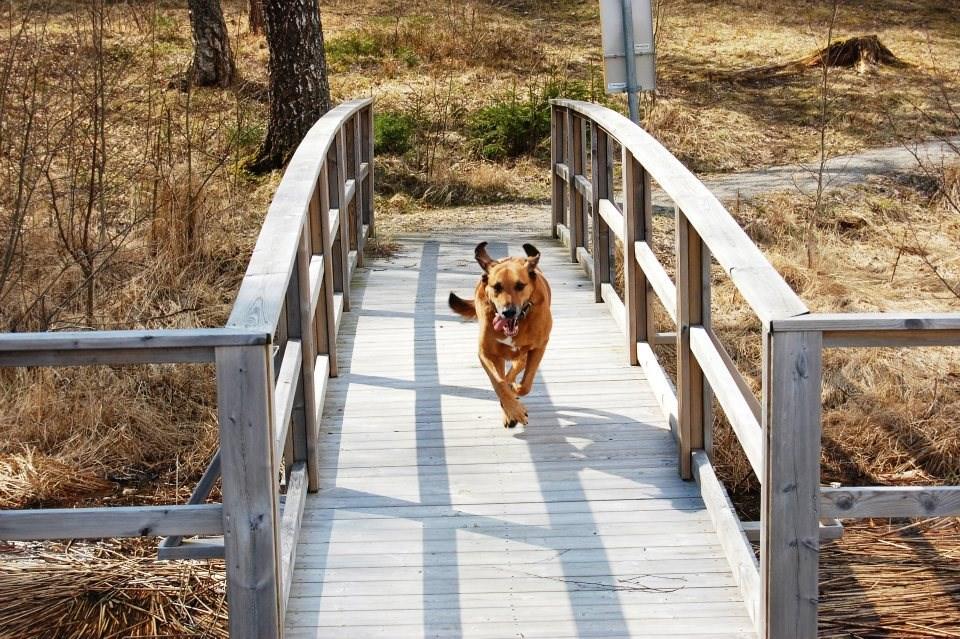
(435, 521)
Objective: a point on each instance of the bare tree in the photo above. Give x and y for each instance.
(299, 91)
(256, 16)
(212, 59)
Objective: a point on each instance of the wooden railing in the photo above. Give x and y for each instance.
(779, 432)
(272, 362)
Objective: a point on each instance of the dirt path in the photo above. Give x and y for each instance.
(839, 171)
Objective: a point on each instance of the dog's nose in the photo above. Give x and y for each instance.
(509, 312)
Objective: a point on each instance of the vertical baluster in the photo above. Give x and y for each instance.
(359, 194)
(367, 142)
(344, 234)
(556, 157)
(635, 214)
(304, 428)
(325, 323)
(600, 190)
(575, 163)
(690, 382)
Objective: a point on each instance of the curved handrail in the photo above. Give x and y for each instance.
(760, 284)
(260, 298)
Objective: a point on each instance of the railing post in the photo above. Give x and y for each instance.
(344, 208)
(367, 141)
(790, 493)
(601, 177)
(556, 156)
(250, 503)
(304, 428)
(358, 192)
(326, 324)
(575, 163)
(690, 382)
(635, 215)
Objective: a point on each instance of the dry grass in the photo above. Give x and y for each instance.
(102, 591)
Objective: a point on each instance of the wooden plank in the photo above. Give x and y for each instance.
(583, 187)
(349, 191)
(586, 261)
(193, 550)
(557, 204)
(340, 146)
(790, 491)
(601, 173)
(612, 216)
(634, 228)
(890, 501)
(316, 284)
(296, 498)
(119, 521)
(735, 405)
(615, 306)
(200, 493)
(736, 547)
(563, 171)
(326, 322)
(111, 357)
(690, 386)
(759, 283)
(202, 338)
(250, 508)
(302, 326)
(869, 322)
(285, 393)
(657, 277)
(829, 529)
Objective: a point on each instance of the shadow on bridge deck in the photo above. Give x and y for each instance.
(434, 521)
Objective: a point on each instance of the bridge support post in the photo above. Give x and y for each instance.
(636, 219)
(601, 176)
(575, 161)
(556, 157)
(790, 497)
(250, 503)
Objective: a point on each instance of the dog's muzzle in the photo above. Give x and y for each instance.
(507, 321)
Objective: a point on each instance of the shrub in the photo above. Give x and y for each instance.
(393, 132)
(512, 126)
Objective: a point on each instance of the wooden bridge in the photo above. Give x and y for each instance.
(368, 487)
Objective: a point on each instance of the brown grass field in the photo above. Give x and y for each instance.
(176, 216)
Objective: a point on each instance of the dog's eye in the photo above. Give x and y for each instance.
(498, 288)
(520, 286)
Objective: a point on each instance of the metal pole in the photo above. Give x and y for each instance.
(630, 58)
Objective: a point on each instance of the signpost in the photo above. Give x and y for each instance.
(627, 25)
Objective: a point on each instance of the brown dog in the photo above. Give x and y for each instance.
(512, 303)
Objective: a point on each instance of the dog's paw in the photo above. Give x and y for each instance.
(514, 413)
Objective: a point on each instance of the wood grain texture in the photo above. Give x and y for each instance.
(790, 491)
(658, 278)
(429, 509)
(890, 501)
(759, 283)
(120, 521)
(250, 505)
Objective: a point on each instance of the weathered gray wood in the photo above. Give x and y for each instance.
(193, 549)
(790, 492)
(120, 521)
(615, 305)
(316, 285)
(290, 521)
(892, 321)
(759, 283)
(367, 169)
(250, 508)
(130, 340)
(735, 405)
(344, 231)
(690, 386)
(111, 357)
(741, 383)
(575, 161)
(286, 390)
(890, 501)
(633, 225)
(829, 529)
(200, 493)
(660, 384)
(583, 186)
(302, 326)
(326, 321)
(657, 277)
(611, 214)
(563, 169)
(601, 174)
(557, 214)
(736, 546)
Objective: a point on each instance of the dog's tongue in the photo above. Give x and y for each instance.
(509, 327)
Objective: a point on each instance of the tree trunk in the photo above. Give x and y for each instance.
(212, 58)
(299, 91)
(256, 17)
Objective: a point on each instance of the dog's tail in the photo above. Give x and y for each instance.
(462, 307)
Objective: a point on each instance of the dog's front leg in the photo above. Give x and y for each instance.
(513, 411)
(534, 358)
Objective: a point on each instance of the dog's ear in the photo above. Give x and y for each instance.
(483, 258)
(533, 256)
